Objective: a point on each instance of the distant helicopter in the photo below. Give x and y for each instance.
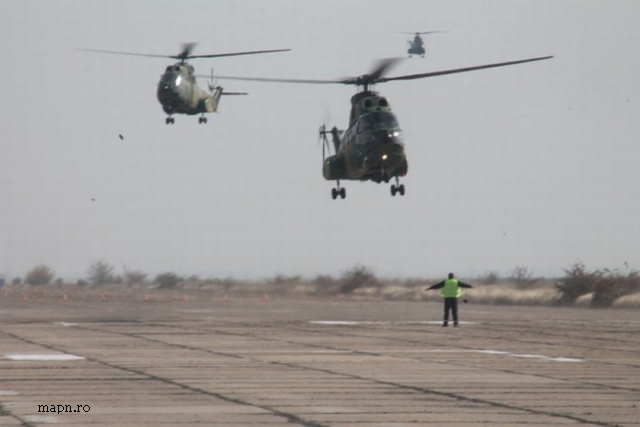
(178, 91)
(372, 147)
(416, 46)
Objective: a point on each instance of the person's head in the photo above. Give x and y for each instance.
(451, 276)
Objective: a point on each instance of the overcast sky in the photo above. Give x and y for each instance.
(533, 165)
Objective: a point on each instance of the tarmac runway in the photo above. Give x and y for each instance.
(133, 361)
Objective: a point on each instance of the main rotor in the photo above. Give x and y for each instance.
(185, 53)
(381, 69)
(417, 33)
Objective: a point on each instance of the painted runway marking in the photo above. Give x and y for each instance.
(506, 353)
(43, 357)
(65, 324)
(379, 322)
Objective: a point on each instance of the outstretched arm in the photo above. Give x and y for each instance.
(464, 285)
(436, 286)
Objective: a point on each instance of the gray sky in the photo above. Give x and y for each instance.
(534, 165)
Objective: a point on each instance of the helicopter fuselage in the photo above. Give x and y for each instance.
(416, 47)
(372, 148)
(178, 92)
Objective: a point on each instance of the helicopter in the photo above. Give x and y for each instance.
(372, 147)
(178, 92)
(416, 46)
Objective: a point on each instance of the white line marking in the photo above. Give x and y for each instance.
(506, 353)
(379, 322)
(43, 357)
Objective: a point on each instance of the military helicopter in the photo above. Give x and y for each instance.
(178, 91)
(372, 147)
(416, 46)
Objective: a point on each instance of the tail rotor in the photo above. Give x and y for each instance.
(322, 137)
(211, 83)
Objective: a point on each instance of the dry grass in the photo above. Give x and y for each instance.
(628, 301)
(543, 293)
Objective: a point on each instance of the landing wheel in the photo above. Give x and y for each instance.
(338, 192)
(170, 120)
(397, 189)
(202, 120)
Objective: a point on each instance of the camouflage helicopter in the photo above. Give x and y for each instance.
(178, 91)
(372, 147)
(416, 46)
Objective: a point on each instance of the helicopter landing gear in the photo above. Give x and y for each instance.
(169, 120)
(335, 192)
(202, 119)
(399, 188)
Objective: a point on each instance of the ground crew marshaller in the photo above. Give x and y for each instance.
(450, 291)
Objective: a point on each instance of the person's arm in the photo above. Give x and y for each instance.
(436, 286)
(464, 285)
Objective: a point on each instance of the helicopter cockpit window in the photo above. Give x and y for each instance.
(365, 124)
(385, 120)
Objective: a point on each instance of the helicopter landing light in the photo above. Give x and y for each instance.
(384, 157)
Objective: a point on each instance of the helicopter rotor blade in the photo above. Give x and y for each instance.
(416, 32)
(270, 80)
(184, 54)
(382, 67)
(460, 70)
(377, 76)
(253, 52)
(322, 137)
(114, 52)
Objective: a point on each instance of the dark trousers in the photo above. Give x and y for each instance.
(451, 304)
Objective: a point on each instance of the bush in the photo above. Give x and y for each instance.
(522, 277)
(167, 280)
(134, 277)
(39, 275)
(100, 273)
(357, 277)
(576, 282)
(613, 285)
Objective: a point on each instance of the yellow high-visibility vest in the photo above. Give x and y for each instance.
(451, 289)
